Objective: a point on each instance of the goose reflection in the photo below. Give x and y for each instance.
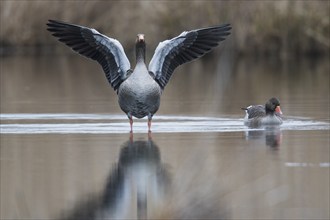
(139, 176)
(271, 134)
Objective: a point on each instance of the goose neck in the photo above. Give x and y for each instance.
(140, 53)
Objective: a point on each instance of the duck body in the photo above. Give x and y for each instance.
(138, 90)
(259, 115)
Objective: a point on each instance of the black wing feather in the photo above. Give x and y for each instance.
(184, 48)
(88, 42)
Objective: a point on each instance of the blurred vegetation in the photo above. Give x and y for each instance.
(284, 28)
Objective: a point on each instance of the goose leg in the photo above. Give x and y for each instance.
(130, 121)
(131, 124)
(149, 122)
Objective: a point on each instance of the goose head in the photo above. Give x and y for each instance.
(272, 106)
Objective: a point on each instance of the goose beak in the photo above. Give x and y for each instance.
(140, 38)
(278, 110)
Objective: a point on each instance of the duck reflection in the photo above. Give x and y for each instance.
(138, 176)
(271, 134)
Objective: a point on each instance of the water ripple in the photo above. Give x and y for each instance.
(62, 123)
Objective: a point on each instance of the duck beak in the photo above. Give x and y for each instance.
(278, 110)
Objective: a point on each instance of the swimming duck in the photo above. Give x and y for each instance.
(138, 90)
(259, 115)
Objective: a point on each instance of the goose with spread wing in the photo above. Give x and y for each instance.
(138, 90)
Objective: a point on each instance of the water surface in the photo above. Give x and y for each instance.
(66, 150)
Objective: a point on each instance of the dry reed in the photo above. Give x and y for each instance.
(275, 28)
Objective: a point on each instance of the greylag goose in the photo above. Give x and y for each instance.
(259, 115)
(138, 90)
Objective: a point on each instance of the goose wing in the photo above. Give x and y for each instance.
(186, 47)
(255, 111)
(90, 43)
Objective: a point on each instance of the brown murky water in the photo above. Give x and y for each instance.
(66, 152)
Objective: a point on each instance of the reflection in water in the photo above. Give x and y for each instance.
(271, 134)
(138, 176)
(140, 186)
